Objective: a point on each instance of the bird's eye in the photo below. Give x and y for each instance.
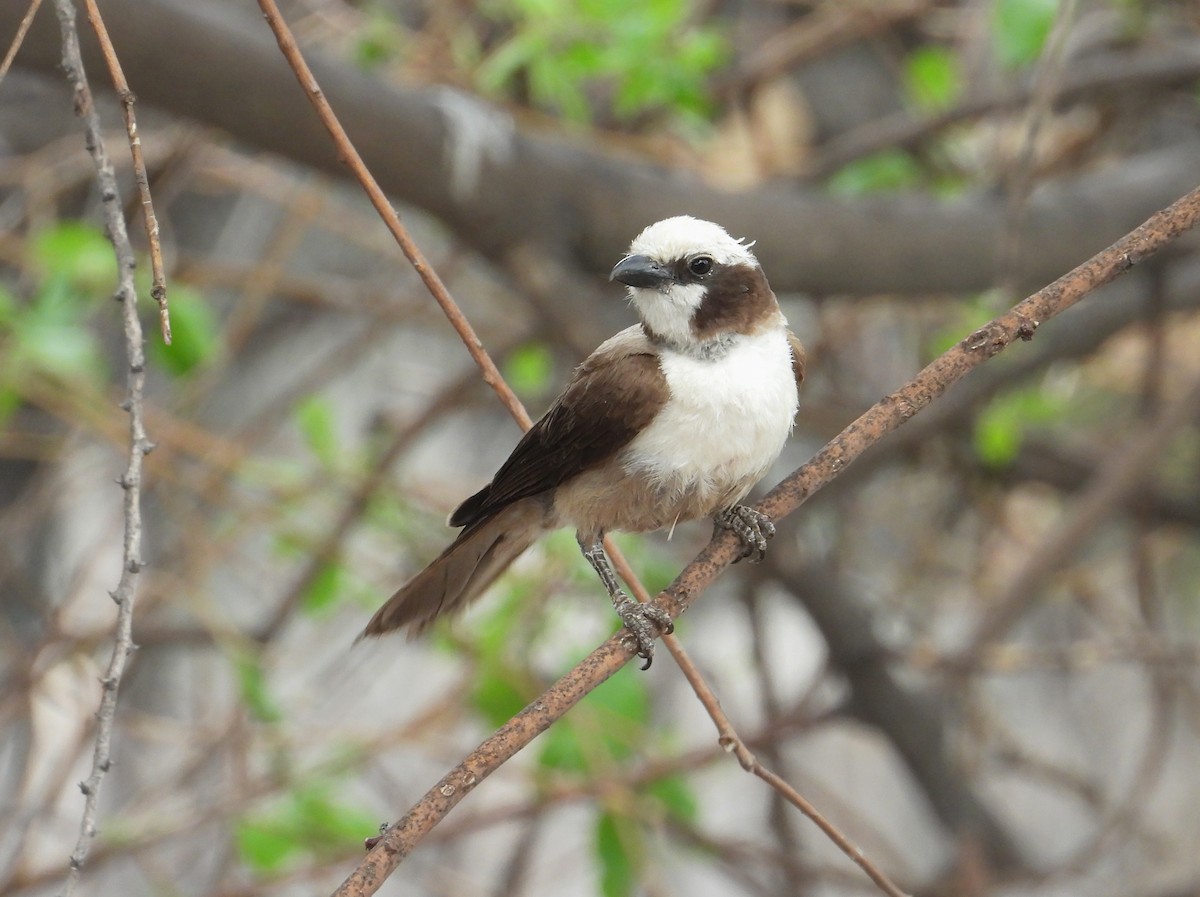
(700, 265)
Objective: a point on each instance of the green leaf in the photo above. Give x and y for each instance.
(308, 822)
(194, 338)
(530, 369)
(969, 317)
(1020, 29)
(78, 252)
(674, 793)
(263, 845)
(931, 78)
(624, 703)
(563, 750)
(888, 170)
(314, 418)
(1000, 429)
(566, 54)
(10, 401)
(507, 61)
(379, 41)
(63, 350)
(255, 692)
(497, 697)
(326, 825)
(609, 724)
(997, 435)
(618, 868)
(322, 593)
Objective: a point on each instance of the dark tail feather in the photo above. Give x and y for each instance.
(462, 572)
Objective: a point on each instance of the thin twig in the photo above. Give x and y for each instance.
(19, 38)
(879, 420)
(158, 288)
(139, 444)
(350, 157)
(1018, 180)
(845, 845)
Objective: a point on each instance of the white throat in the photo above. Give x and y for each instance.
(668, 313)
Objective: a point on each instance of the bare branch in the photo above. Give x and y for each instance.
(158, 289)
(139, 444)
(22, 30)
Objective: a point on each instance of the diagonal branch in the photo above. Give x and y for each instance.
(139, 444)
(158, 288)
(1021, 322)
(22, 30)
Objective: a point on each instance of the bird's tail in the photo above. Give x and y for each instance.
(462, 572)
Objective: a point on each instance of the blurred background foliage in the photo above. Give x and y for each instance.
(315, 420)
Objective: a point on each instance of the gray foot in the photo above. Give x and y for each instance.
(752, 527)
(644, 622)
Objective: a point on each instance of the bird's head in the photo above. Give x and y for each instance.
(691, 282)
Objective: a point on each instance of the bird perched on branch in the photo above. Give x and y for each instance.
(672, 419)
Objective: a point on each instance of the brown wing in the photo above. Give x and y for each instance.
(797, 357)
(611, 398)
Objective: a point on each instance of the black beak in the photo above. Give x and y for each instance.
(641, 271)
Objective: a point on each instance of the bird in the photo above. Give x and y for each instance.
(673, 419)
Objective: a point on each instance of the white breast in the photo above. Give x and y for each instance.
(724, 425)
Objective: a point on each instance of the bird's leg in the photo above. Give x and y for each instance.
(641, 620)
(753, 527)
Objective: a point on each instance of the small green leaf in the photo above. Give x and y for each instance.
(618, 868)
(625, 698)
(562, 749)
(263, 845)
(530, 368)
(322, 593)
(997, 436)
(888, 170)
(610, 723)
(255, 693)
(314, 418)
(309, 822)
(507, 60)
(63, 350)
(931, 78)
(325, 824)
(78, 252)
(674, 793)
(194, 338)
(1020, 29)
(10, 401)
(497, 698)
(379, 41)
(969, 317)
(1000, 429)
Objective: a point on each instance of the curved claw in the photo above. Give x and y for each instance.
(645, 622)
(753, 527)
